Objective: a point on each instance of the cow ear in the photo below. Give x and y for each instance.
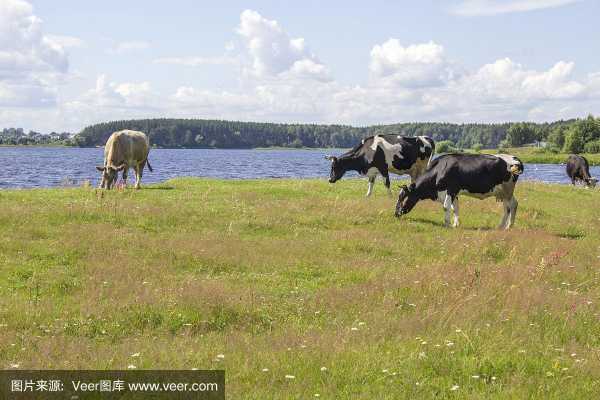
(412, 187)
(100, 168)
(331, 158)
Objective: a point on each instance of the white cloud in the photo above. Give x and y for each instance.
(66, 41)
(119, 95)
(31, 63)
(273, 52)
(418, 65)
(197, 61)
(285, 82)
(210, 102)
(409, 82)
(472, 8)
(506, 80)
(594, 84)
(26, 94)
(129, 46)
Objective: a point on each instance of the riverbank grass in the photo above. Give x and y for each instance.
(535, 155)
(299, 288)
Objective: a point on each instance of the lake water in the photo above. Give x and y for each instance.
(30, 167)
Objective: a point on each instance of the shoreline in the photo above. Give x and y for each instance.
(218, 181)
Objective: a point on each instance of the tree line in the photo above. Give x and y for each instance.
(571, 136)
(18, 137)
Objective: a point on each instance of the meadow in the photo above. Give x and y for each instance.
(302, 289)
(534, 155)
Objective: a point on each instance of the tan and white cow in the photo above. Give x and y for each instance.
(123, 150)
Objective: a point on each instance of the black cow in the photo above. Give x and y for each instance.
(578, 170)
(476, 175)
(382, 154)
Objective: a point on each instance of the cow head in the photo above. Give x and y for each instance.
(109, 175)
(591, 182)
(406, 200)
(337, 171)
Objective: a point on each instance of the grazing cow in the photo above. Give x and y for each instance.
(382, 154)
(578, 170)
(476, 175)
(124, 149)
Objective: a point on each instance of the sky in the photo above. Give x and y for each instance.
(66, 64)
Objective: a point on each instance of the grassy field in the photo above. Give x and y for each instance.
(539, 156)
(298, 288)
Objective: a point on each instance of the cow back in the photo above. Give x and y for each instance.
(126, 146)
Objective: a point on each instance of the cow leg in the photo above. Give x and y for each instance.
(505, 215)
(510, 211)
(138, 175)
(514, 204)
(455, 211)
(447, 205)
(371, 184)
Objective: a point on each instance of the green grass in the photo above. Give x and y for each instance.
(541, 156)
(285, 277)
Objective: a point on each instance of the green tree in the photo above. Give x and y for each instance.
(557, 136)
(574, 140)
(592, 147)
(581, 132)
(444, 146)
(520, 134)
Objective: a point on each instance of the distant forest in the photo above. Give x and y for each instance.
(573, 136)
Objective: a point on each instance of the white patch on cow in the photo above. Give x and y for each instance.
(455, 211)
(389, 150)
(370, 189)
(510, 160)
(424, 141)
(447, 203)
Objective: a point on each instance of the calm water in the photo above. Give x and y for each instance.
(28, 167)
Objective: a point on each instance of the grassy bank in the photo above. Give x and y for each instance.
(539, 156)
(301, 278)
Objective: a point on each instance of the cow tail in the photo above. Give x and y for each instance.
(149, 166)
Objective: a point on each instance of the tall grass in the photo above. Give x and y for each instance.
(310, 280)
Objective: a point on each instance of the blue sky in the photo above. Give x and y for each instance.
(65, 64)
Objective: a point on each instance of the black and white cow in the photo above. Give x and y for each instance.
(382, 154)
(578, 170)
(476, 175)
